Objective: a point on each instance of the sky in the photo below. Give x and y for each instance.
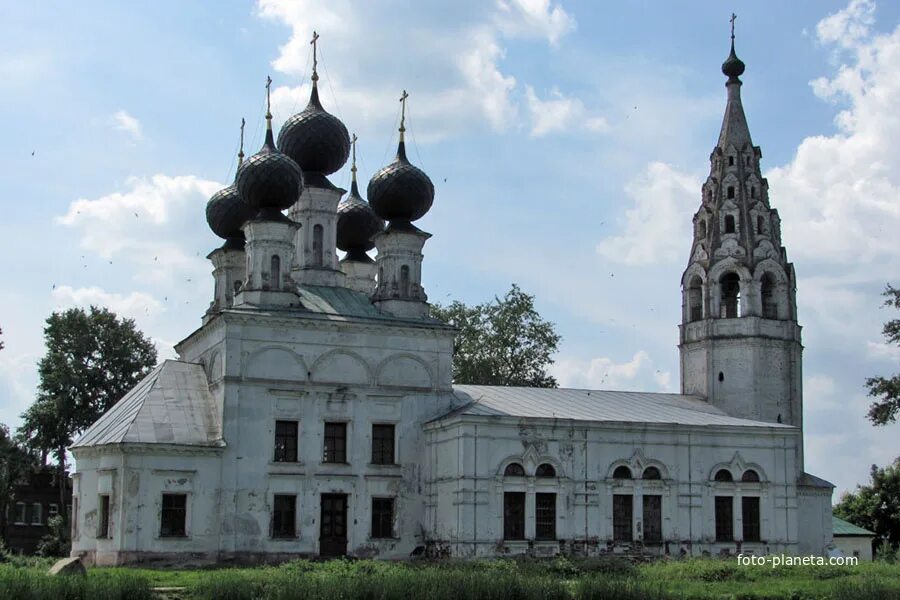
(567, 140)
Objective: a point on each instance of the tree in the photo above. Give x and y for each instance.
(93, 358)
(502, 342)
(876, 507)
(14, 463)
(887, 390)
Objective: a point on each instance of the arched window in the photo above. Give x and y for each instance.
(318, 246)
(404, 281)
(729, 223)
(730, 306)
(753, 191)
(652, 473)
(275, 272)
(701, 229)
(723, 475)
(622, 472)
(730, 161)
(750, 476)
(709, 195)
(759, 224)
(731, 191)
(747, 162)
(695, 298)
(514, 470)
(769, 302)
(545, 470)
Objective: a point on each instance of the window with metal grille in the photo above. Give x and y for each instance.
(382, 444)
(20, 513)
(750, 517)
(173, 517)
(335, 450)
(285, 441)
(545, 516)
(652, 473)
(724, 518)
(103, 529)
(382, 517)
(37, 513)
(545, 470)
(622, 472)
(284, 516)
(514, 515)
(622, 517)
(750, 476)
(514, 470)
(652, 518)
(52, 511)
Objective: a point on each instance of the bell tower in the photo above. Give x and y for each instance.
(739, 338)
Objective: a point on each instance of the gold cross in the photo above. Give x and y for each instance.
(733, 17)
(315, 39)
(353, 145)
(241, 151)
(403, 98)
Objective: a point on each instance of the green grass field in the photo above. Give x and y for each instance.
(562, 579)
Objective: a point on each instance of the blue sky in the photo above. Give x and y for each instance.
(567, 141)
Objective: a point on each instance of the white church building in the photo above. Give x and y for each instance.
(313, 412)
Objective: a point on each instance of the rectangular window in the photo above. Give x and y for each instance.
(20, 513)
(37, 514)
(382, 517)
(52, 511)
(335, 443)
(103, 529)
(724, 519)
(284, 516)
(750, 517)
(173, 517)
(514, 516)
(653, 519)
(622, 517)
(545, 516)
(382, 444)
(285, 441)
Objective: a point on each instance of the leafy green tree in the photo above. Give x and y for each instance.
(14, 463)
(876, 507)
(502, 342)
(93, 358)
(887, 390)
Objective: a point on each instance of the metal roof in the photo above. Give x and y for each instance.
(842, 527)
(594, 405)
(171, 405)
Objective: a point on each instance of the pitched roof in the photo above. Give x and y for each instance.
(842, 527)
(812, 481)
(594, 405)
(171, 405)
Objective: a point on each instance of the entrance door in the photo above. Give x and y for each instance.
(333, 526)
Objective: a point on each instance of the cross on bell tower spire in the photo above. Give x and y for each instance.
(241, 150)
(403, 98)
(353, 164)
(314, 43)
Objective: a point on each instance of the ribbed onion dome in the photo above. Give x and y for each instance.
(269, 181)
(316, 140)
(226, 213)
(400, 192)
(733, 67)
(356, 224)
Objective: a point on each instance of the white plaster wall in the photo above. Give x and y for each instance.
(815, 520)
(860, 546)
(469, 454)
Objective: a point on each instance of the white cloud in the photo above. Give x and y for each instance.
(539, 18)
(132, 305)
(122, 121)
(605, 373)
(560, 113)
(848, 26)
(657, 227)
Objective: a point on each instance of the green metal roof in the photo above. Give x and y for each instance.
(842, 527)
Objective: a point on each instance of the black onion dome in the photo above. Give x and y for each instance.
(356, 224)
(226, 213)
(316, 140)
(733, 67)
(400, 191)
(269, 181)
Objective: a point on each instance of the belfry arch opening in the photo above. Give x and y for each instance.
(275, 269)
(769, 299)
(318, 246)
(729, 223)
(730, 305)
(695, 298)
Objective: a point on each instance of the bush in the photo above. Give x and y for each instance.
(34, 584)
(55, 543)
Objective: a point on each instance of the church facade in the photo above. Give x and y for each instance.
(313, 413)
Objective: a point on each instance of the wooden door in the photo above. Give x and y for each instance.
(333, 525)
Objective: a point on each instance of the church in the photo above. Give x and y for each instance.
(313, 413)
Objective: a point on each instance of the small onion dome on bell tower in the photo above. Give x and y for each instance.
(269, 181)
(733, 67)
(357, 223)
(400, 192)
(226, 212)
(316, 140)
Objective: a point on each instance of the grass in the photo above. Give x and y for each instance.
(556, 579)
